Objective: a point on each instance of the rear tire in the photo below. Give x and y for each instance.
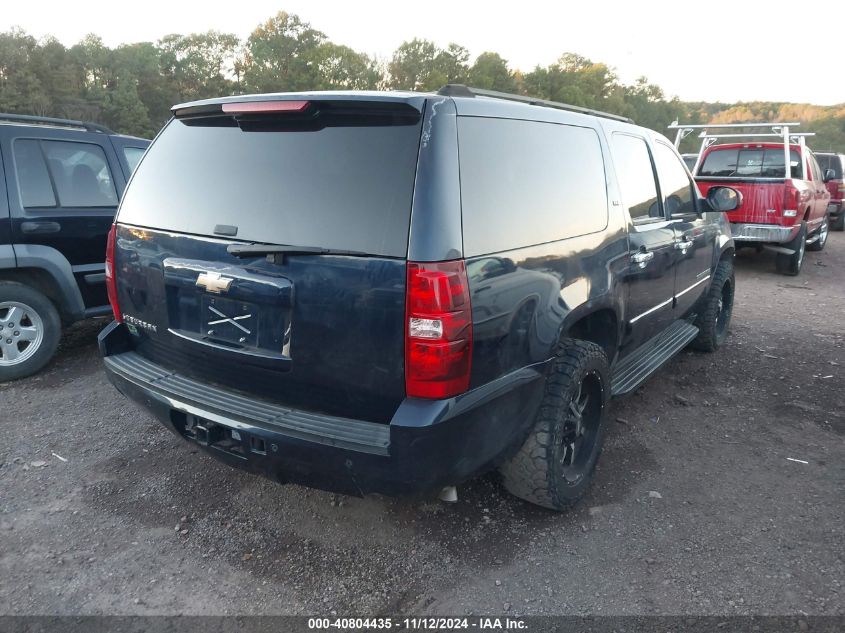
(30, 330)
(715, 309)
(839, 223)
(818, 245)
(556, 464)
(791, 264)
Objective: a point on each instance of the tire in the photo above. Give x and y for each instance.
(791, 264)
(818, 245)
(839, 223)
(572, 409)
(30, 330)
(715, 309)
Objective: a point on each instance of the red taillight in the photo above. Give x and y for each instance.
(438, 330)
(246, 107)
(111, 283)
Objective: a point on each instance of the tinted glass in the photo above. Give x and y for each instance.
(677, 188)
(81, 174)
(133, 156)
(748, 163)
(636, 177)
(33, 180)
(525, 183)
(336, 187)
(830, 161)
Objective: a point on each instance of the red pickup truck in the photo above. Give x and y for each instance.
(836, 187)
(784, 210)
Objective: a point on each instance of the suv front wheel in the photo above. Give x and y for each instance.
(29, 330)
(555, 465)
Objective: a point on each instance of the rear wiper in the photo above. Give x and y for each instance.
(257, 250)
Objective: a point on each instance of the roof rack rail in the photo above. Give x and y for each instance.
(780, 131)
(46, 120)
(460, 90)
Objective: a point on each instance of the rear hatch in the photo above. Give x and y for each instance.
(261, 247)
(758, 173)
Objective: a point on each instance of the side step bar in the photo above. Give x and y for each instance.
(633, 370)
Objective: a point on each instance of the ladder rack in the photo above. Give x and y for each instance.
(778, 130)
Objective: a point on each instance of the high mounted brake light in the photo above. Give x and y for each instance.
(438, 330)
(249, 107)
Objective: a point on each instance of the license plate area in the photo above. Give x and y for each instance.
(229, 321)
(251, 313)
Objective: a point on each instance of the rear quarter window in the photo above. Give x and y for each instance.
(527, 182)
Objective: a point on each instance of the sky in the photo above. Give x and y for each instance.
(717, 50)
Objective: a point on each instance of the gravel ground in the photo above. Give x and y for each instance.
(696, 508)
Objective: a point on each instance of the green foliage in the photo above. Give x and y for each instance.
(490, 71)
(131, 88)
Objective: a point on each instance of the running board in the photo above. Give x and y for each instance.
(633, 370)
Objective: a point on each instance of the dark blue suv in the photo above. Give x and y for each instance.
(393, 292)
(60, 182)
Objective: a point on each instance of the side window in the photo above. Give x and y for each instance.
(678, 190)
(133, 156)
(33, 179)
(81, 174)
(528, 182)
(636, 177)
(815, 169)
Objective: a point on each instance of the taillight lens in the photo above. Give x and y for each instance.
(438, 330)
(791, 201)
(111, 283)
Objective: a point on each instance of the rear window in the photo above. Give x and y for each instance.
(830, 161)
(748, 163)
(526, 183)
(343, 187)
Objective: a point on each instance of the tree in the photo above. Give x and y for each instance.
(199, 65)
(341, 68)
(490, 71)
(412, 65)
(282, 55)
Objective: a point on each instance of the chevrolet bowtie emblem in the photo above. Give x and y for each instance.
(214, 282)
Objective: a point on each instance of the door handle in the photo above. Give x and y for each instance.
(683, 244)
(642, 258)
(40, 227)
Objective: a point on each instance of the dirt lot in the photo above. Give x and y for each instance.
(696, 508)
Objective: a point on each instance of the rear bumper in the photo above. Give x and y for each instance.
(427, 445)
(763, 232)
(834, 208)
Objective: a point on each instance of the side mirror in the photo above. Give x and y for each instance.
(829, 175)
(724, 198)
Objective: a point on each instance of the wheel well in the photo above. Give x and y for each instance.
(42, 281)
(807, 214)
(598, 327)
